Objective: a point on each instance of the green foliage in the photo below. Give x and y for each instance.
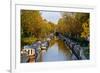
(29, 21)
(86, 53)
(32, 24)
(74, 24)
(69, 24)
(27, 41)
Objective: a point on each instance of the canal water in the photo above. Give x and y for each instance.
(57, 51)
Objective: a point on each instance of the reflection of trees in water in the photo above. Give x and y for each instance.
(52, 42)
(63, 47)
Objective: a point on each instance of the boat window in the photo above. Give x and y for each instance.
(28, 51)
(31, 51)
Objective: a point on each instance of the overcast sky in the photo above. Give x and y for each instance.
(51, 16)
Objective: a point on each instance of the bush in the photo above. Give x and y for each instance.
(27, 41)
(86, 53)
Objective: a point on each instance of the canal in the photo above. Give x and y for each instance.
(57, 51)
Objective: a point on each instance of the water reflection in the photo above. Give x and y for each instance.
(57, 51)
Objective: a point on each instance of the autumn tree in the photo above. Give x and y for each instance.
(30, 22)
(33, 26)
(72, 23)
(68, 24)
(84, 20)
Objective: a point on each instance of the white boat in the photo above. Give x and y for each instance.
(48, 39)
(44, 46)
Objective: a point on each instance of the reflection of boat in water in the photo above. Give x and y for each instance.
(24, 57)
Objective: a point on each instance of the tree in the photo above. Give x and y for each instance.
(86, 33)
(68, 24)
(30, 19)
(72, 23)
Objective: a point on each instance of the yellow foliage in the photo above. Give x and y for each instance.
(85, 33)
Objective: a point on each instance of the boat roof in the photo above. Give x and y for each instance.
(28, 47)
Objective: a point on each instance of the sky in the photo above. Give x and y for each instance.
(51, 16)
